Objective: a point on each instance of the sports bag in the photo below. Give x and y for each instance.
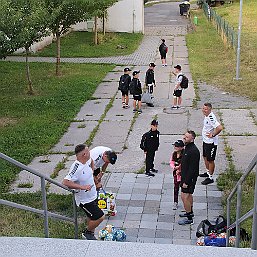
(143, 140)
(184, 82)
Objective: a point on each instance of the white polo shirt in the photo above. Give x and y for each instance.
(210, 122)
(179, 80)
(97, 155)
(82, 174)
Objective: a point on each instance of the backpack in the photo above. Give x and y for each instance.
(132, 86)
(206, 227)
(143, 140)
(184, 82)
(122, 85)
(165, 49)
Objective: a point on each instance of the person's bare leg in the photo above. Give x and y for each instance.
(139, 105)
(92, 224)
(134, 104)
(187, 203)
(179, 101)
(211, 167)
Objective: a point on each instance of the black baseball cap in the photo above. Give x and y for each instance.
(135, 72)
(179, 143)
(154, 122)
(127, 69)
(112, 156)
(152, 64)
(177, 67)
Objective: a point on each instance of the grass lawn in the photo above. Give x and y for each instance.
(21, 223)
(80, 44)
(31, 124)
(214, 63)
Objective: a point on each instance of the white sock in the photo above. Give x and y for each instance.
(210, 176)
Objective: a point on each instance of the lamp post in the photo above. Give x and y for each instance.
(239, 40)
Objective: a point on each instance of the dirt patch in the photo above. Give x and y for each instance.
(4, 121)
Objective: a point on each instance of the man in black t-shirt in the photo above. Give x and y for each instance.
(189, 173)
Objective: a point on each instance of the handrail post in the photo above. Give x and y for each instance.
(75, 215)
(254, 227)
(228, 222)
(43, 189)
(238, 212)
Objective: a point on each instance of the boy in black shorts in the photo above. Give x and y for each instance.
(124, 82)
(136, 90)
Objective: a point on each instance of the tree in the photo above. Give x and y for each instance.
(22, 23)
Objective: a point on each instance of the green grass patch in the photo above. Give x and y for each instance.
(31, 125)
(80, 44)
(214, 63)
(15, 222)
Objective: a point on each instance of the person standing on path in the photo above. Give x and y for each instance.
(149, 144)
(163, 49)
(124, 82)
(189, 173)
(175, 164)
(136, 90)
(101, 157)
(80, 177)
(149, 78)
(210, 131)
(177, 94)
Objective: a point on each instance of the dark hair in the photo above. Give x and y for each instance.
(191, 132)
(111, 156)
(79, 148)
(208, 105)
(163, 40)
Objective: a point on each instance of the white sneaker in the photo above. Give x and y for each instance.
(175, 206)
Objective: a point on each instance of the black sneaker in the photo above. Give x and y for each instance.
(207, 181)
(88, 235)
(149, 174)
(204, 175)
(154, 170)
(185, 215)
(149, 104)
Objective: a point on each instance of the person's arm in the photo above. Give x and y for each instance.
(215, 132)
(193, 166)
(72, 185)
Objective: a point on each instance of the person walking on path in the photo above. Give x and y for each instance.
(80, 177)
(189, 173)
(149, 78)
(177, 94)
(124, 82)
(101, 156)
(136, 90)
(210, 131)
(163, 49)
(175, 164)
(149, 144)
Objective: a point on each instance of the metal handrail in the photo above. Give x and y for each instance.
(251, 213)
(43, 212)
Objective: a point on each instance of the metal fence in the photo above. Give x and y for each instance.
(45, 213)
(252, 213)
(227, 32)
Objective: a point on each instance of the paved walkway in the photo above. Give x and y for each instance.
(145, 204)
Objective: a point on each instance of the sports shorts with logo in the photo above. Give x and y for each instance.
(92, 210)
(209, 151)
(177, 93)
(137, 97)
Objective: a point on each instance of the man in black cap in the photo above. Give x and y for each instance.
(177, 94)
(149, 144)
(124, 82)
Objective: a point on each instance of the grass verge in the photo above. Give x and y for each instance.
(31, 125)
(212, 62)
(80, 44)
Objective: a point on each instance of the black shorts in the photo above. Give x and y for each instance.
(92, 210)
(137, 97)
(190, 188)
(124, 93)
(209, 151)
(163, 55)
(177, 93)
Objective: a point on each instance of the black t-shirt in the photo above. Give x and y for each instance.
(190, 164)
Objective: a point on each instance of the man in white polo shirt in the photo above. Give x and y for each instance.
(101, 156)
(80, 177)
(211, 129)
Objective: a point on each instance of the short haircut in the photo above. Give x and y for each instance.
(191, 132)
(163, 40)
(79, 148)
(208, 105)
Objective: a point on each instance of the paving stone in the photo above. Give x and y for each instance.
(131, 224)
(136, 203)
(123, 196)
(149, 217)
(133, 217)
(152, 203)
(138, 197)
(166, 218)
(164, 233)
(148, 224)
(165, 226)
(145, 240)
(145, 232)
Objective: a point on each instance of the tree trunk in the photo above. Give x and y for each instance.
(30, 87)
(95, 30)
(58, 54)
(104, 24)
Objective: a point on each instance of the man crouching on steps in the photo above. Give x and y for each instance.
(80, 177)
